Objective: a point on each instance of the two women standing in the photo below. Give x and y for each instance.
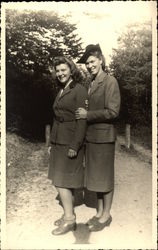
(100, 135)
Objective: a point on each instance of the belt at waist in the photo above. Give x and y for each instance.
(62, 119)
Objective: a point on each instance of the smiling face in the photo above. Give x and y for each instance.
(94, 65)
(63, 73)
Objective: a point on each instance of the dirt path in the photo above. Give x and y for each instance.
(32, 208)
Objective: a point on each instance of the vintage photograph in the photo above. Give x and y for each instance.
(78, 125)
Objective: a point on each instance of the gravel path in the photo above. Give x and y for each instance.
(32, 208)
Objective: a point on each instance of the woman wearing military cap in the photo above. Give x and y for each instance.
(103, 109)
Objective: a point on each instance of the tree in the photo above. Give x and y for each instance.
(132, 66)
(34, 38)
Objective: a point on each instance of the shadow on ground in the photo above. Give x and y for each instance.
(81, 234)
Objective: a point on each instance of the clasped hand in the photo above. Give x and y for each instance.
(81, 113)
(72, 153)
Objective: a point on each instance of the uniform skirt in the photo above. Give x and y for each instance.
(64, 171)
(99, 172)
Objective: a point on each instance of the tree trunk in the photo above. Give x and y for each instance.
(128, 136)
(47, 134)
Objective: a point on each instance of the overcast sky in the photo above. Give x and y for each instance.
(98, 22)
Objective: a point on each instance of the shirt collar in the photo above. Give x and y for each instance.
(68, 83)
(99, 78)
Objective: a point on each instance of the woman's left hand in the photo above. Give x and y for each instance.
(72, 153)
(81, 113)
(49, 149)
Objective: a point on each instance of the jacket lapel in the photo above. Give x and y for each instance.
(98, 81)
(65, 92)
(57, 97)
(94, 88)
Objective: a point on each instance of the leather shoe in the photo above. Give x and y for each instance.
(64, 228)
(92, 220)
(98, 226)
(59, 221)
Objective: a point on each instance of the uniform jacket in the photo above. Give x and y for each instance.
(104, 106)
(66, 130)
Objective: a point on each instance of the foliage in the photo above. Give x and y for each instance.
(132, 66)
(33, 39)
(29, 103)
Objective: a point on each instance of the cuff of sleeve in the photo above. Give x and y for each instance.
(75, 146)
(88, 115)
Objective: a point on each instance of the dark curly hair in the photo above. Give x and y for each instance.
(75, 73)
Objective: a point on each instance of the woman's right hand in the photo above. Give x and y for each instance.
(81, 113)
(49, 149)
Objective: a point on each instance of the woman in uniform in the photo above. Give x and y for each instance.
(67, 136)
(103, 109)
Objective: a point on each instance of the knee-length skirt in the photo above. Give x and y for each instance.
(64, 171)
(99, 172)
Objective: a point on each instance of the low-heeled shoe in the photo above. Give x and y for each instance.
(59, 221)
(64, 228)
(92, 220)
(98, 226)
